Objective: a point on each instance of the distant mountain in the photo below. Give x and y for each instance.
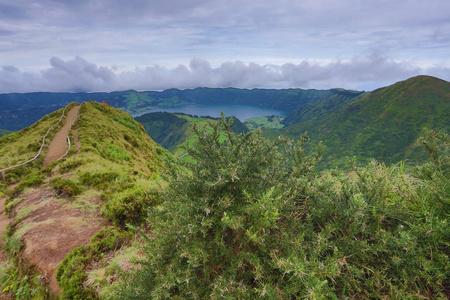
(383, 124)
(20, 110)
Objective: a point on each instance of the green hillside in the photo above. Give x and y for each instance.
(173, 130)
(165, 128)
(321, 108)
(383, 124)
(82, 201)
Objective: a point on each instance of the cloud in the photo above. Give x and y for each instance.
(142, 33)
(79, 75)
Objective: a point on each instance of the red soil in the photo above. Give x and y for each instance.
(58, 146)
(50, 226)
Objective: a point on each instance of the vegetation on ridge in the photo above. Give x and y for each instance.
(246, 224)
(109, 171)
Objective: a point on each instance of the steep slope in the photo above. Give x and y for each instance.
(383, 124)
(319, 109)
(165, 128)
(103, 181)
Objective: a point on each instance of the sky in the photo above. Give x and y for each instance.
(99, 45)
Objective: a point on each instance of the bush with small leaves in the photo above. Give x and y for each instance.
(66, 187)
(247, 222)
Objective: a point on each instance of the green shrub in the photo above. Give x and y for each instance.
(129, 206)
(71, 273)
(66, 187)
(245, 224)
(30, 180)
(14, 175)
(19, 283)
(70, 165)
(101, 180)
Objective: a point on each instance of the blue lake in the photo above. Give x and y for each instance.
(242, 112)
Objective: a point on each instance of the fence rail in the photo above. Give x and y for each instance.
(68, 135)
(40, 149)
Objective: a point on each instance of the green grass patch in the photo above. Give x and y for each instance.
(72, 272)
(129, 206)
(265, 122)
(66, 187)
(116, 152)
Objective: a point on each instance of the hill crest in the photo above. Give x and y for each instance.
(103, 181)
(383, 124)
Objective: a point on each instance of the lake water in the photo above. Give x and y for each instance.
(242, 112)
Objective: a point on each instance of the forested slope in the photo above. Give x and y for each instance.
(383, 124)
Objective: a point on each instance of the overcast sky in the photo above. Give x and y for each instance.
(100, 45)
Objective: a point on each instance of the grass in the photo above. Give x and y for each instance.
(265, 122)
(192, 119)
(106, 279)
(116, 165)
(23, 145)
(113, 159)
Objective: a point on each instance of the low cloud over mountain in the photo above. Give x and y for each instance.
(78, 74)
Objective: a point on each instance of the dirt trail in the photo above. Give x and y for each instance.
(58, 146)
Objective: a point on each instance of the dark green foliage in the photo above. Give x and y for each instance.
(245, 224)
(436, 191)
(213, 235)
(72, 270)
(66, 187)
(99, 179)
(34, 179)
(128, 122)
(117, 153)
(129, 207)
